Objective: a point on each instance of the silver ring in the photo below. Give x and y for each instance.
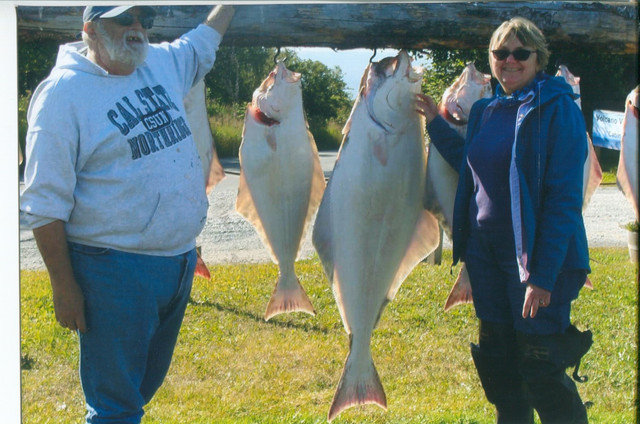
(541, 302)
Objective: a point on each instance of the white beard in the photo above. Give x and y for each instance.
(122, 52)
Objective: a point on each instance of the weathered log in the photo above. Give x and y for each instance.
(567, 24)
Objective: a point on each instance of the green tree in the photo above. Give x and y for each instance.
(35, 60)
(324, 92)
(444, 66)
(237, 72)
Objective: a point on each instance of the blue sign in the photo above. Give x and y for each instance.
(607, 129)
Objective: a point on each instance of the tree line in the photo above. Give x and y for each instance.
(606, 79)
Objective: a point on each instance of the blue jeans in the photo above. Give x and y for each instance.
(134, 305)
(498, 294)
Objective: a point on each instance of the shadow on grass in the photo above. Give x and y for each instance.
(260, 319)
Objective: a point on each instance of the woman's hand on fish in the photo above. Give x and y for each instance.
(534, 298)
(426, 107)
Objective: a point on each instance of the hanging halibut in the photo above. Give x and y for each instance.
(592, 172)
(442, 180)
(371, 229)
(196, 110)
(281, 181)
(627, 175)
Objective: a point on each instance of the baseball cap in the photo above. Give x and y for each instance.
(92, 13)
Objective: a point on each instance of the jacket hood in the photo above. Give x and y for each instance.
(552, 87)
(72, 56)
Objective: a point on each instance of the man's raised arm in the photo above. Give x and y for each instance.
(220, 17)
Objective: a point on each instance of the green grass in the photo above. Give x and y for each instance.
(232, 367)
(609, 178)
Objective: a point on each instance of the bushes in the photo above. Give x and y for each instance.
(329, 136)
(227, 121)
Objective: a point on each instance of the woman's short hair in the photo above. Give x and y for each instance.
(527, 33)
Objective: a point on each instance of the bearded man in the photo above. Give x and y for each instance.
(114, 193)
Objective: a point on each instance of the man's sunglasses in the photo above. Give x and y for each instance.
(127, 19)
(519, 54)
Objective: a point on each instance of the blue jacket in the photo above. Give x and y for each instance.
(545, 180)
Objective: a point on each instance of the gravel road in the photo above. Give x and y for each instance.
(228, 238)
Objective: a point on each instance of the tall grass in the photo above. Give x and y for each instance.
(226, 124)
(230, 366)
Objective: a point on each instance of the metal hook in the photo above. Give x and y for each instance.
(375, 51)
(275, 58)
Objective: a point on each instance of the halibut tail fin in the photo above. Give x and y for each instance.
(288, 296)
(358, 388)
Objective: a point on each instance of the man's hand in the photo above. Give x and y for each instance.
(220, 17)
(534, 298)
(426, 106)
(68, 304)
(68, 300)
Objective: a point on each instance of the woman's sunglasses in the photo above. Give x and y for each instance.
(519, 54)
(127, 19)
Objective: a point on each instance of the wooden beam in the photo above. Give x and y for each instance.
(462, 25)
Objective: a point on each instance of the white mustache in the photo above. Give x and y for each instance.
(132, 33)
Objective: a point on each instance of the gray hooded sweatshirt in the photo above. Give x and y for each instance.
(113, 156)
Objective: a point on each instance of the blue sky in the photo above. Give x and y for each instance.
(351, 62)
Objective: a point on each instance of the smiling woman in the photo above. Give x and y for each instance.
(518, 53)
(519, 230)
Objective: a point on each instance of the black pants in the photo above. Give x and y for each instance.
(521, 372)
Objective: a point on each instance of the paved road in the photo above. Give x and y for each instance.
(228, 238)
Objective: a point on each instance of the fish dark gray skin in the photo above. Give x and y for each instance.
(627, 175)
(281, 180)
(371, 229)
(196, 110)
(442, 180)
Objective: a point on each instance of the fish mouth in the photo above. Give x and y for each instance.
(260, 117)
(449, 117)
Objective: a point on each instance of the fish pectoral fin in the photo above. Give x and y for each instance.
(380, 152)
(358, 388)
(288, 296)
(461, 290)
(426, 238)
(271, 141)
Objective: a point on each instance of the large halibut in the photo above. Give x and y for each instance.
(281, 181)
(371, 229)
